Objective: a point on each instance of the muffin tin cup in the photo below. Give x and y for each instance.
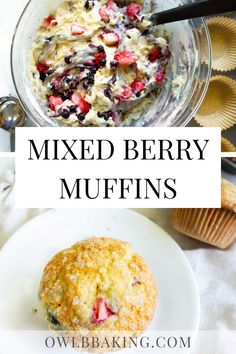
(219, 106)
(227, 146)
(216, 227)
(223, 37)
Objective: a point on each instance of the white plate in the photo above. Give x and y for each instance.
(23, 258)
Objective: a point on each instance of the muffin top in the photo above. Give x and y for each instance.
(228, 195)
(99, 283)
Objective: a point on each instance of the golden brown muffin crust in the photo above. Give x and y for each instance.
(228, 195)
(99, 268)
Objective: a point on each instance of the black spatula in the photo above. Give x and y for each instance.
(196, 9)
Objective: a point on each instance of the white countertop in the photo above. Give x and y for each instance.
(10, 11)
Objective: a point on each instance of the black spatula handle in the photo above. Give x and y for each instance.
(197, 9)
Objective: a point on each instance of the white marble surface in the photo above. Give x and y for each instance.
(4, 141)
(215, 271)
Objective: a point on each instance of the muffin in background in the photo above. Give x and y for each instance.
(216, 227)
(98, 284)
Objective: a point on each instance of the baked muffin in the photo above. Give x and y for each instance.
(216, 227)
(98, 284)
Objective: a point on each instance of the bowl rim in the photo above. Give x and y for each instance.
(182, 124)
(208, 60)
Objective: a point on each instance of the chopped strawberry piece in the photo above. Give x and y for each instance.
(155, 54)
(125, 58)
(160, 77)
(111, 38)
(101, 311)
(137, 86)
(49, 20)
(90, 63)
(133, 10)
(98, 57)
(80, 101)
(126, 94)
(42, 68)
(108, 12)
(77, 30)
(105, 16)
(84, 105)
(54, 102)
(111, 5)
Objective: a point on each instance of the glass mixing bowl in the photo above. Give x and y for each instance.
(182, 92)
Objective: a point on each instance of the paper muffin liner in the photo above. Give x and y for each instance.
(227, 146)
(216, 227)
(219, 106)
(223, 38)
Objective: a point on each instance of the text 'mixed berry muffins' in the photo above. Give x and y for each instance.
(98, 62)
(98, 284)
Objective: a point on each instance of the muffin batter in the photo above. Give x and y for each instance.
(96, 62)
